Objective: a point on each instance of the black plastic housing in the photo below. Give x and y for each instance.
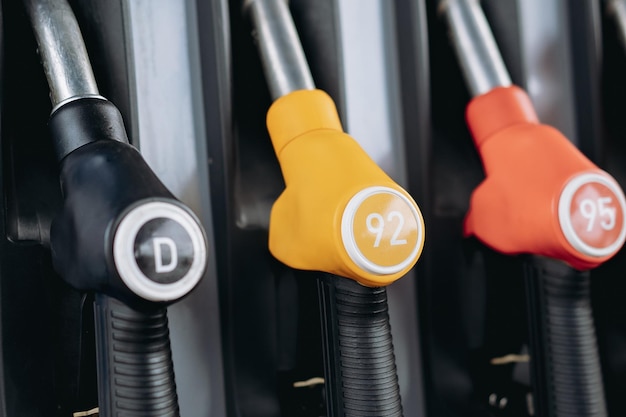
(100, 179)
(361, 377)
(134, 361)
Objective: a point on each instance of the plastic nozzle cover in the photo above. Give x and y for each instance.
(120, 231)
(541, 195)
(340, 213)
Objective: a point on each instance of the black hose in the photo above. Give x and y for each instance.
(360, 366)
(568, 351)
(135, 370)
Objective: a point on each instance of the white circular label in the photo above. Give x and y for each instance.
(591, 214)
(382, 230)
(159, 251)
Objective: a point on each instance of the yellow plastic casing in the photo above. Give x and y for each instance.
(339, 213)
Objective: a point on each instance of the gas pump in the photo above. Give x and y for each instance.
(339, 214)
(542, 197)
(120, 233)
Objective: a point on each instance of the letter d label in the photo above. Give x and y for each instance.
(159, 266)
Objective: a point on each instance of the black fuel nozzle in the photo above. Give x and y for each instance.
(120, 232)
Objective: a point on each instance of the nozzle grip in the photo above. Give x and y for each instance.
(564, 349)
(358, 348)
(134, 358)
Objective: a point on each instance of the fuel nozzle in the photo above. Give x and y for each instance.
(542, 197)
(552, 200)
(340, 213)
(120, 233)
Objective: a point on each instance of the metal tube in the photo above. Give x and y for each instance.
(617, 9)
(283, 59)
(475, 46)
(62, 50)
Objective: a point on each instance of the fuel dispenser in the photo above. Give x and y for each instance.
(541, 196)
(115, 227)
(49, 354)
(340, 214)
(305, 233)
(272, 325)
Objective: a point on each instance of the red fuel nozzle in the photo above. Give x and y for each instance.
(541, 195)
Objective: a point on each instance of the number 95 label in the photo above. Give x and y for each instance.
(382, 230)
(591, 214)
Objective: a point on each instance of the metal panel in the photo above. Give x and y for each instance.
(168, 121)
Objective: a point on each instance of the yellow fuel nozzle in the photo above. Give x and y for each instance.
(340, 213)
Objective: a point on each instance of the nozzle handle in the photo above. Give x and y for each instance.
(360, 367)
(564, 348)
(135, 370)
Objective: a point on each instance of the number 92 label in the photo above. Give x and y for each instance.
(591, 214)
(382, 230)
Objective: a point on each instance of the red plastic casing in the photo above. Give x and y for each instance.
(528, 166)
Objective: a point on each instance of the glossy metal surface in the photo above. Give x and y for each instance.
(283, 59)
(475, 46)
(62, 50)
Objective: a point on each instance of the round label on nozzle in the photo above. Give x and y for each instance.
(382, 230)
(164, 250)
(159, 251)
(591, 214)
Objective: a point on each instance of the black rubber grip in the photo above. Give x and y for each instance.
(135, 370)
(572, 375)
(84, 121)
(361, 375)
